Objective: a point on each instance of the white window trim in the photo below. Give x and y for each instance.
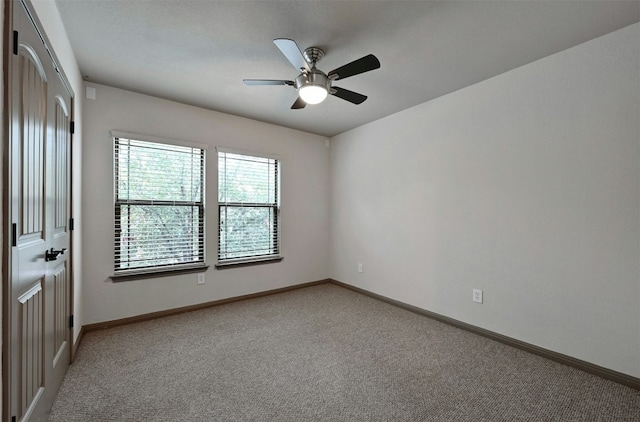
(247, 152)
(176, 269)
(157, 139)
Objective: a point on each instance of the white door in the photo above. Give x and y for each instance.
(37, 296)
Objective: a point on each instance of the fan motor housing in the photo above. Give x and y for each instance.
(313, 77)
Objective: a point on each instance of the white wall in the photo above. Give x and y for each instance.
(305, 210)
(51, 22)
(526, 185)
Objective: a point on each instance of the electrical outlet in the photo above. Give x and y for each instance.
(201, 278)
(477, 295)
(359, 267)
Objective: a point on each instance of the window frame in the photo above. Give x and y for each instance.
(255, 259)
(162, 269)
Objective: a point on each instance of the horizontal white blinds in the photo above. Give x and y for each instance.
(248, 207)
(147, 171)
(159, 204)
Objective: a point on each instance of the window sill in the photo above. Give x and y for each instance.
(247, 262)
(154, 273)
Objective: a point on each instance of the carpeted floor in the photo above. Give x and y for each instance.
(322, 353)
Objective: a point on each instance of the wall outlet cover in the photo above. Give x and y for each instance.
(477, 295)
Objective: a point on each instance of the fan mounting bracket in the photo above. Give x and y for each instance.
(313, 55)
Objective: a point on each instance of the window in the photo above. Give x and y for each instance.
(248, 208)
(159, 205)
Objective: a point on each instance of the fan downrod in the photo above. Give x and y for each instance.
(313, 55)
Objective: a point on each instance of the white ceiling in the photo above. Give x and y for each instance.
(198, 52)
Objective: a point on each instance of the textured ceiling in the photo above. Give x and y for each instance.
(198, 52)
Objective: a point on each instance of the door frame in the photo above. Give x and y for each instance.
(7, 234)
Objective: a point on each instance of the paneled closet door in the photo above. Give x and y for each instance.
(39, 198)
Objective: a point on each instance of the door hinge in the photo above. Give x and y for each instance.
(70, 321)
(15, 42)
(71, 224)
(14, 234)
(72, 127)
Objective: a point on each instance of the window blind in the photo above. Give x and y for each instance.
(159, 205)
(248, 207)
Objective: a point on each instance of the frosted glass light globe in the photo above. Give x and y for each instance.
(313, 94)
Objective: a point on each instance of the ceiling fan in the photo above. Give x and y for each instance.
(314, 85)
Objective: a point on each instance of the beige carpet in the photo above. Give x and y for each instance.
(322, 353)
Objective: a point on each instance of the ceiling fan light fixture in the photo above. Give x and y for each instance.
(313, 94)
(312, 86)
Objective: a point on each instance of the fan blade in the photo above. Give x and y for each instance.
(298, 104)
(345, 94)
(266, 82)
(292, 52)
(356, 67)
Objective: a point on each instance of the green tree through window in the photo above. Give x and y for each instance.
(159, 205)
(248, 207)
